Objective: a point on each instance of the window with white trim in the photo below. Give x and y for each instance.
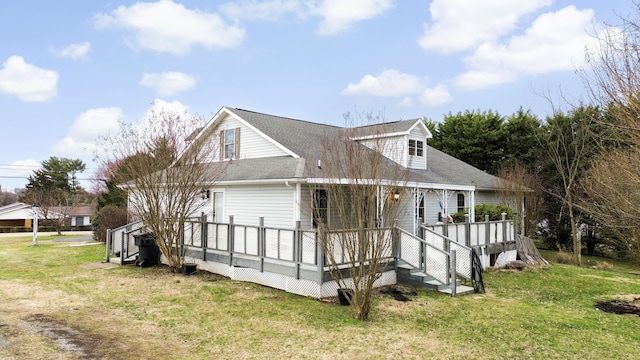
(460, 202)
(416, 147)
(230, 144)
(320, 207)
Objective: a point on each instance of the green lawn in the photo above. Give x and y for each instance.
(128, 312)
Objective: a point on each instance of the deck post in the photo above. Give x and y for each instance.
(261, 242)
(122, 249)
(230, 239)
(395, 243)
(504, 227)
(204, 237)
(487, 230)
(467, 231)
(297, 245)
(108, 246)
(319, 257)
(452, 273)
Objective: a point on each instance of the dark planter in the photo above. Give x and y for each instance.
(189, 269)
(344, 295)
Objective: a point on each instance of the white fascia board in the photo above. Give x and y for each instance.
(343, 181)
(411, 184)
(258, 182)
(424, 128)
(379, 136)
(414, 184)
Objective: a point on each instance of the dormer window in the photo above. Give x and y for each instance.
(416, 147)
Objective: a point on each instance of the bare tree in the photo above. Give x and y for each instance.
(360, 196)
(569, 145)
(163, 166)
(520, 190)
(611, 198)
(613, 79)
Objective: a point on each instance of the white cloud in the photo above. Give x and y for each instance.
(80, 141)
(340, 15)
(436, 96)
(555, 41)
(337, 15)
(260, 10)
(389, 83)
(27, 82)
(165, 26)
(73, 51)
(161, 115)
(168, 83)
(462, 24)
(407, 101)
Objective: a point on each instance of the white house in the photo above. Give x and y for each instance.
(272, 164)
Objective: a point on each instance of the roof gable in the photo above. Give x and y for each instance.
(221, 115)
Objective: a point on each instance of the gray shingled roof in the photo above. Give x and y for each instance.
(305, 139)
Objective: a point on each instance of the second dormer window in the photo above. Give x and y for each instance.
(416, 147)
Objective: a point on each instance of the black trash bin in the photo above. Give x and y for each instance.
(148, 252)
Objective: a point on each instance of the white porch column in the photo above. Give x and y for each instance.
(472, 205)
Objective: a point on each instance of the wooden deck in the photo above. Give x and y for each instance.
(293, 259)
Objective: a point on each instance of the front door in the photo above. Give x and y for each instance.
(217, 207)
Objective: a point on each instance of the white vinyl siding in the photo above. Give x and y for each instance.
(406, 211)
(276, 203)
(252, 144)
(432, 208)
(393, 148)
(415, 161)
(487, 197)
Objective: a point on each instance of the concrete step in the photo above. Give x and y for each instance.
(460, 290)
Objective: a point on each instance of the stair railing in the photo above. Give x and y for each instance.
(463, 252)
(425, 256)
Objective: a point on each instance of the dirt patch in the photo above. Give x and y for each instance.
(620, 306)
(398, 292)
(64, 338)
(41, 336)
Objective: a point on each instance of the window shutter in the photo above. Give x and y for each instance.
(237, 145)
(222, 145)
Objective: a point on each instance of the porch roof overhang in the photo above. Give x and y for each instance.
(410, 184)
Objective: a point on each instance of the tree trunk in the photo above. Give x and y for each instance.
(528, 253)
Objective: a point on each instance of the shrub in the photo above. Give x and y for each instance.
(108, 217)
(564, 257)
(494, 211)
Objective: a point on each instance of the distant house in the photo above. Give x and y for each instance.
(16, 215)
(76, 216)
(20, 214)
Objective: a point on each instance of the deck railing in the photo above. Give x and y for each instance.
(120, 242)
(473, 234)
(431, 251)
(344, 248)
(290, 245)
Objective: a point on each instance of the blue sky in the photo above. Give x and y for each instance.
(69, 70)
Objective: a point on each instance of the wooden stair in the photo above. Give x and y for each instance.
(408, 275)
